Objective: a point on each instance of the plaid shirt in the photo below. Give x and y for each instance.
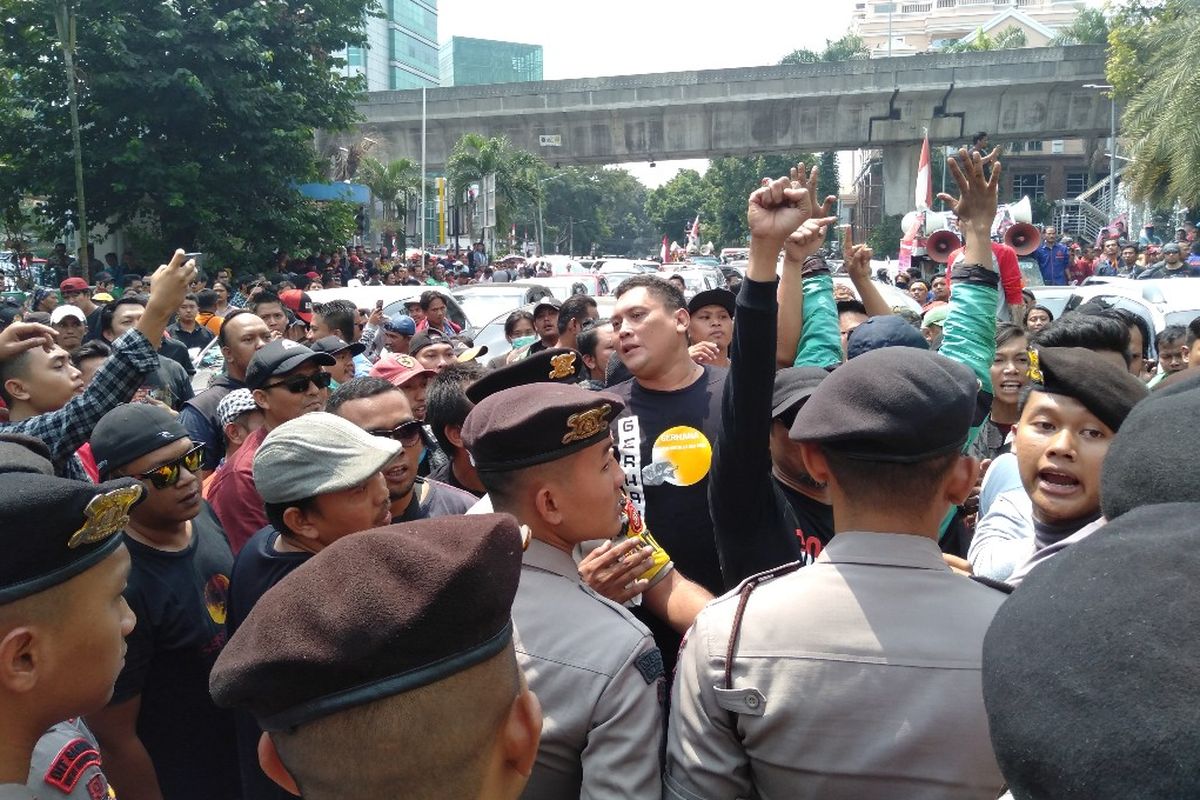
(64, 431)
(238, 300)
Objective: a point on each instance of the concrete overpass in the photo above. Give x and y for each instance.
(1033, 93)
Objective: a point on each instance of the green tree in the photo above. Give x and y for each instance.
(598, 210)
(672, 206)
(884, 239)
(850, 46)
(197, 118)
(1090, 27)
(518, 174)
(1153, 52)
(829, 181)
(1007, 39)
(729, 182)
(392, 184)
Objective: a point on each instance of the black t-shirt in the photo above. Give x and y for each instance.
(177, 352)
(256, 569)
(180, 599)
(434, 499)
(195, 338)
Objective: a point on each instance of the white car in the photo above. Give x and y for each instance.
(557, 264)
(484, 301)
(1160, 302)
(563, 286)
(492, 334)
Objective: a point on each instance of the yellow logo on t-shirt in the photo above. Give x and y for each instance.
(681, 456)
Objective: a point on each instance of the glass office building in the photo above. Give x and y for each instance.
(471, 62)
(400, 51)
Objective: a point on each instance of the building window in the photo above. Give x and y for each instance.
(1032, 184)
(409, 50)
(354, 56)
(1076, 183)
(1056, 146)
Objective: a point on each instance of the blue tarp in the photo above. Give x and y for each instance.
(349, 192)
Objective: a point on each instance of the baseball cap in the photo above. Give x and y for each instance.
(398, 369)
(104, 277)
(62, 312)
(547, 302)
(73, 285)
(102, 297)
(234, 404)
(884, 331)
(131, 430)
(279, 357)
(425, 339)
(1171, 248)
(335, 344)
(401, 324)
(714, 297)
(316, 454)
(299, 302)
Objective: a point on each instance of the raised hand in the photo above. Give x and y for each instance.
(612, 569)
(776, 209)
(976, 205)
(856, 258)
(21, 337)
(170, 283)
(704, 352)
(809, 237)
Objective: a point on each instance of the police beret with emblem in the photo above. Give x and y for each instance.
(1089, 669)
(1106, 390)
(400, 607)
(896, 404)
(556, 365)
(52, 529)
(528, 425)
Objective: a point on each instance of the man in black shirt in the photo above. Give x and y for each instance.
(162, 735)
(186, 329)
(447, 411)
(169, 384)
(382, 410)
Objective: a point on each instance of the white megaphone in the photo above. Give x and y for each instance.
(908, 222)
(935, 221)
(1021, 212)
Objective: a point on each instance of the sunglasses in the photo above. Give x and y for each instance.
(406, 433)
(167, 475)
(298, 384)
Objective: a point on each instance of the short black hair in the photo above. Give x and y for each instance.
(222, 341)
(979, 137)
(275, 513)
(899, 485)
(427, 298)
(1006, 332)
(446, 400)
(589, 338)
(340, 316)
(96, 348)
(1132, 321)
(15, 367)
(574, 307)
(1091, 331)
(851, 307)
(357, 389)
(109, 310)
(667, 293)
(510, 322)
(206, 299)
(1031, 309)
(1171, 333)
(265, 297)
(191, 297)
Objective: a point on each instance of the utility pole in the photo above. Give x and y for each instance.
(64, 22)
(421, 205)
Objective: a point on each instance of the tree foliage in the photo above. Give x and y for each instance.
(1152, 65)
(884, 239)
(197, 118)
(392, 184)
(849, 47)
(600, 210)
(1007, 39)
(518, 175)
(1090, 27)
(672, 206)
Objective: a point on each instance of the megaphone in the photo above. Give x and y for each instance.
(1023, 237)
(936, 222)
(1020, 211)
(907, 222)
(941, 244)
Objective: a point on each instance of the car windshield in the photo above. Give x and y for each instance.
(480, 304)
(1182, 317)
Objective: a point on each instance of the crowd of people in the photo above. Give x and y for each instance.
(778, 542)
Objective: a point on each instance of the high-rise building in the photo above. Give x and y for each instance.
(471, 62)
(400, 51)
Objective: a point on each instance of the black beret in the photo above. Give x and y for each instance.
(1089, 669)
(1106, 390)
(898, 404)
(529, 425)
(52, 529)
(374, 615)
(556, 365)
(279, 358)
(129, 431)
(1151, 460)
(21, 453)
(883, 331)
(425, 339)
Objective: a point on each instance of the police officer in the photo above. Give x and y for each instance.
(544, 453)
(63, 621)
(847, 678)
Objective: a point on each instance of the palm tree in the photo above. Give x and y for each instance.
(517, 174)
(391, 184)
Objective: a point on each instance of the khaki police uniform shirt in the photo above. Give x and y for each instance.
(856, 677)
(599, 679)
(66, 763)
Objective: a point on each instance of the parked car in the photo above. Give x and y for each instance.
(563, 286)
(558, 264)
(483, 301)
(492, 333)
(625, 265)
(1161, 302)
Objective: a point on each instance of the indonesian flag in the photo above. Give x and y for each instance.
(695, 234)
(665, 253)
(924, 193)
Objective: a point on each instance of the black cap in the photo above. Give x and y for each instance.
(1106, 390)
(549, 301)
(794, 385)
(1152, 459)
(335, 344)
(888, 330)
(279, 358)
(714, 297)
(1089, 669)
(528, 425)
(129, 431)
(51, 528)
(400, 607)
(426, 338)
(899, 405)
(556, 365)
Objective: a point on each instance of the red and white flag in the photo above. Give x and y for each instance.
(924, 193)
(695, 234)
(665, 253)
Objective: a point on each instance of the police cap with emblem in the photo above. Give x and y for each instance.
(897, 404)
(529, 425)
(1089, 669)
(556, 365)
(130, 431)
(51, 528)
(399, 608)
(279, 358)
(1106, 390)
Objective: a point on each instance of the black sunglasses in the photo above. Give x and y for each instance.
(298, 384)
(167, 475)
(406, 433)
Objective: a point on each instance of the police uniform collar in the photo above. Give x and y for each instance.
(884, 549)
(549, 558)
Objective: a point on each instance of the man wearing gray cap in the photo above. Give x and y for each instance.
(320, 478)
(1173, 265)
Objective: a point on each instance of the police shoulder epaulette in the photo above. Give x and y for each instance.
(992, 583)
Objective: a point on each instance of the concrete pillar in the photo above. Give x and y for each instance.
(900, 163)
